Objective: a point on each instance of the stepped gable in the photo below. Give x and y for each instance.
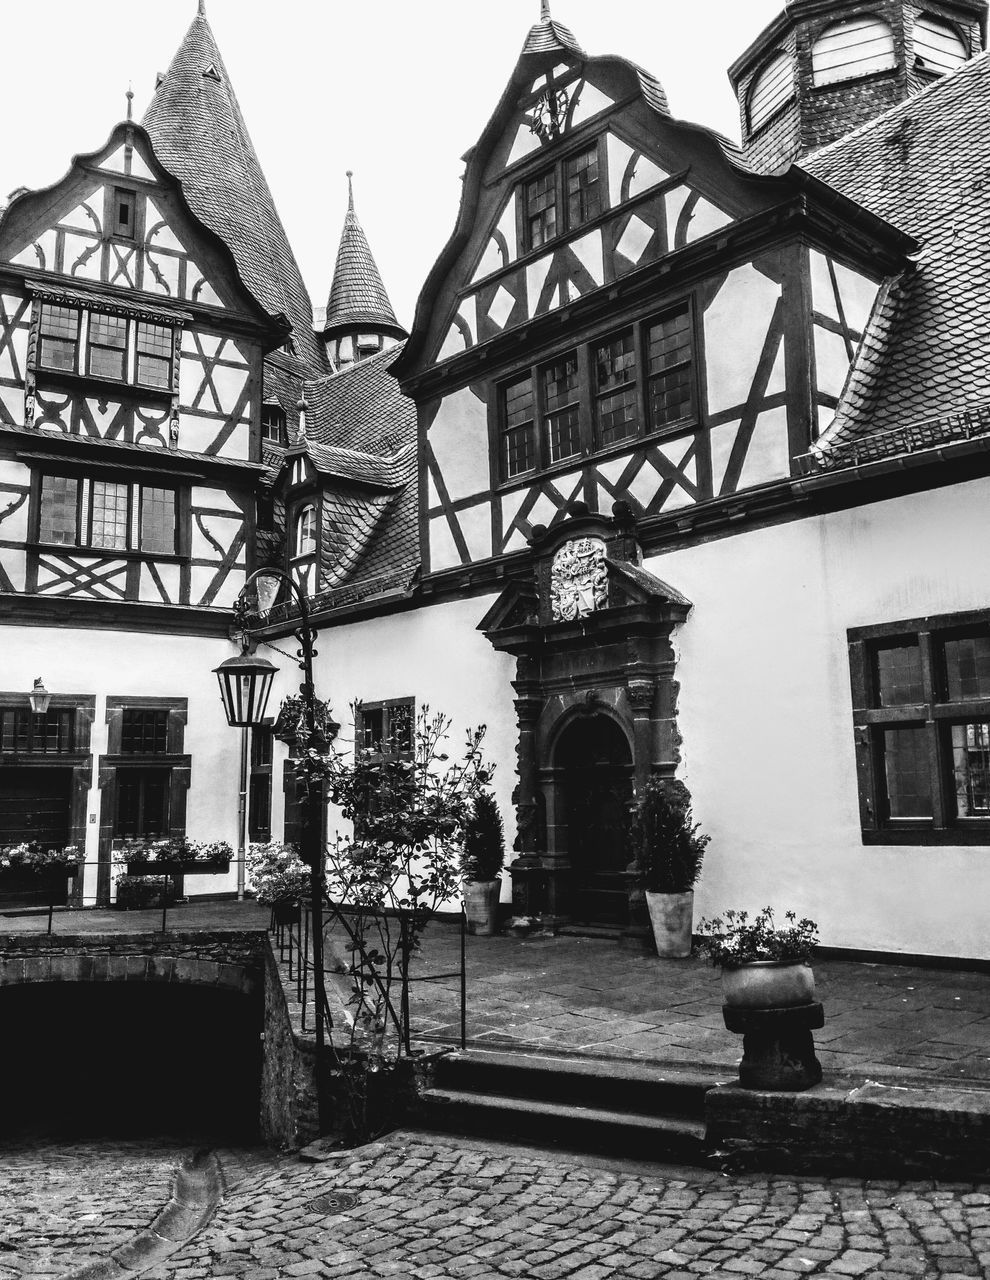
(357, 294)
(924, 166)
(361, 435)
(199, 134)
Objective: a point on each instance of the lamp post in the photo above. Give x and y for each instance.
(245, 684)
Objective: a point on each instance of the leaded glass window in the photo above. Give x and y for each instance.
(59, 337)
(615, 377)
(107, 346)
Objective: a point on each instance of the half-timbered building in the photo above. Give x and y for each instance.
(701, 475)
(153, 327)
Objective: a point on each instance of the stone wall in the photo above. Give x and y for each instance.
(289, 1112)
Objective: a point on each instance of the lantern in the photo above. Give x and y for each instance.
(39, 697)
(245, 684)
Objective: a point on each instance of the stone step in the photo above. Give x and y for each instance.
(540, 1122)
(585, 1082)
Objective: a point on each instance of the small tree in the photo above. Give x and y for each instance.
(668, 845)
(484, 840)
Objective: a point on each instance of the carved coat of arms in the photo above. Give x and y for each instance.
(578, 579)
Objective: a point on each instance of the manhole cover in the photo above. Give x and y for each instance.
(334, 1202)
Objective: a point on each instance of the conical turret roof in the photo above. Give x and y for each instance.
(357, 294)
(199, 134)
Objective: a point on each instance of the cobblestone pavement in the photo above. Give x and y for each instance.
(63, 1204)
(440, 1208)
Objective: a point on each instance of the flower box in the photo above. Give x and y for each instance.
(162, 867)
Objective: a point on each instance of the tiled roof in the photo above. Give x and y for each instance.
(67, 442)
(361, 407)
(364, 468)
(361, 436)
(199, 134)
(925, 166)
(549, 37)
(357, 294)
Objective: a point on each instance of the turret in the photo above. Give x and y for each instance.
(823, 67)
(360, 321)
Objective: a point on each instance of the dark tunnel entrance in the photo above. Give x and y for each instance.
(130, 1060)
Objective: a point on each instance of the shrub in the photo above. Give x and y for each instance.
(483, 852)
(668, 845)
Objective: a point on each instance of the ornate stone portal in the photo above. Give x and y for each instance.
(591, 632)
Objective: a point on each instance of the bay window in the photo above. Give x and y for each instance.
(106, 345)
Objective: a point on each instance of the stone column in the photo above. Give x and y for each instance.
(642, 694)
(526, 869)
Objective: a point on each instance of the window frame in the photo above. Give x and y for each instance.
(934, 714)
(84, 347)
(388, 707)
(589, 397)
(136, 497)
(273, 418)
(558, 172)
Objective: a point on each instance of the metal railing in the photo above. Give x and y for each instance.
(291, 930)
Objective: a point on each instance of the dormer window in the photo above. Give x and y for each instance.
(306, 531)
(851, 50)
(124, 203)
(273, 423)
(211, 73)
(938, 46)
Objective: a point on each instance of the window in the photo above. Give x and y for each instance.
(584, 189)
(386, 728)
(260, 785)
(545, 418)
(938, 46)
(59, 337)
(110, 514)
(142, 808)
(922, 713)
(306, 531)
(770, 90)
(273, 423)
(615, 389)
(144, 732)
(124, 203)
(109, 343)
(540, 197)
(564, 197)
(107, 346)
(24, 733)
(849, 50)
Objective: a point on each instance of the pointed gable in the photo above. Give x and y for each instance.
(199, 134)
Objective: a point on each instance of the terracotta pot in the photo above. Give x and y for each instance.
(671, 915)
(768, 984)
(481, 905)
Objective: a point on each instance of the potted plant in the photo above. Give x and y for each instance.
(764, 966)
(142, 892)
(669, 848)
(279, 878)
(482, 856)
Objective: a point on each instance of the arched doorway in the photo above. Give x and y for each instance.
(594, 772)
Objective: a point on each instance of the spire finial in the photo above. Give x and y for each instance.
(202, 8)
(545, 11)
(350, 190)
(130, 101)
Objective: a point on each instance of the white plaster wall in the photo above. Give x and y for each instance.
(125, 664)
(435, 655)
(766, 717)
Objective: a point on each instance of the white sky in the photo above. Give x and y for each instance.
(397, 90)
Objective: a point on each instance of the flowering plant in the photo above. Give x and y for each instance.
(277, 873)
(737, 939)
(32, 855)
(172, 850)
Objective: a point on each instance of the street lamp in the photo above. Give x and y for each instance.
(245, 683)
(39, 697)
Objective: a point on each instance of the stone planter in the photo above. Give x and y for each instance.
(671, 915)
(481, 906)
(768, 984)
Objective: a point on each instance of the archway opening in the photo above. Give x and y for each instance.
(115, 1059)
(594, 769)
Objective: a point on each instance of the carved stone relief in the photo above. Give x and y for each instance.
(578, 579)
